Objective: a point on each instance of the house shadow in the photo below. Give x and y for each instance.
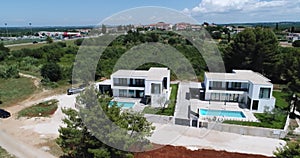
(192, 113)
(243, 106)
(294, 116)
(187, 96)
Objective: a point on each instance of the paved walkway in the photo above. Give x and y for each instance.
(199, 138)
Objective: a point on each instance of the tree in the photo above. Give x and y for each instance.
(296, 43)
(292, 29)
(291, 150)
(49, 39)
(253, 49)
(52, 71)
(4, 51)
(89, 133)
(3, 55)
(3, 48)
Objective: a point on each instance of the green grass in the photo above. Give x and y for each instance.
(29, 46)
(281, 98)
(5, 154)
(14, 90)
(169, 111)
(43, 109)
(270, 120)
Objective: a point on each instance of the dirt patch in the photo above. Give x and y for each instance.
(182, 152)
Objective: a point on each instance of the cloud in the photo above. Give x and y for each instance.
(246, 9)
(220, 6)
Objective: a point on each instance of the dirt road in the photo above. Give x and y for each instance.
(19, 148)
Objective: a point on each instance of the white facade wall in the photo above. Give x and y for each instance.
(253, 93)
(263, 103)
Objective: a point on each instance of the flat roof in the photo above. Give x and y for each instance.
(104, 82)
(154, 73)
(244, 75)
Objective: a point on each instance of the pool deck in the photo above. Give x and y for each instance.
(138, 107)
(212, 105)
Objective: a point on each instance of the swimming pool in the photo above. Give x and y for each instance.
(225, 113)
(123, 104)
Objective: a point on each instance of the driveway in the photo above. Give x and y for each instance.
(201, 138)
(181, 108)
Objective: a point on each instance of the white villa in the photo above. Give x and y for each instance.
(153, 84)
(243, 86)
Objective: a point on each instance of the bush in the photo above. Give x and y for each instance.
(296, 43)
(51, 71)
(9, 71)
(3, 55)
(48, 84)
(78, 42)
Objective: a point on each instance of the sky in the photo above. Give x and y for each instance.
(92, 12)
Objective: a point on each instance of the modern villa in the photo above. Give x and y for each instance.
(243, 86)
(151, 86)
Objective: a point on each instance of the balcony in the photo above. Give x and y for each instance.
(136, 85)
(228, 89)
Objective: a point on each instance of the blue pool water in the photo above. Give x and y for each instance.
(224, 113)
(123, 104)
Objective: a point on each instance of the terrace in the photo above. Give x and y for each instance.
(221, 107)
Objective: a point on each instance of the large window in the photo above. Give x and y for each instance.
(236, 85)
(140, 82)
(215, 85)
(120, 82)
(264, 93)
(155, 88)
(123, 93)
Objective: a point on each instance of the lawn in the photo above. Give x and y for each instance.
(43, 109)
(276, 119)
(281, 100)
(169, 111)
(5, 154)
(14, 90)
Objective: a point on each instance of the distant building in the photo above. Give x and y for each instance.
(292, 37)
(182, 26)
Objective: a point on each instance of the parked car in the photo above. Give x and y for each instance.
(4, 114)
(71, 91)
(34, 42)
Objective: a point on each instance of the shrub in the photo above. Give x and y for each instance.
(9, 71)
(51, 71)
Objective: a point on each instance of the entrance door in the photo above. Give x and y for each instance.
(255, 105)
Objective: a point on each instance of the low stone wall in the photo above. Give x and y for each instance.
(247, 130)
(159, 119)
(182, 121)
